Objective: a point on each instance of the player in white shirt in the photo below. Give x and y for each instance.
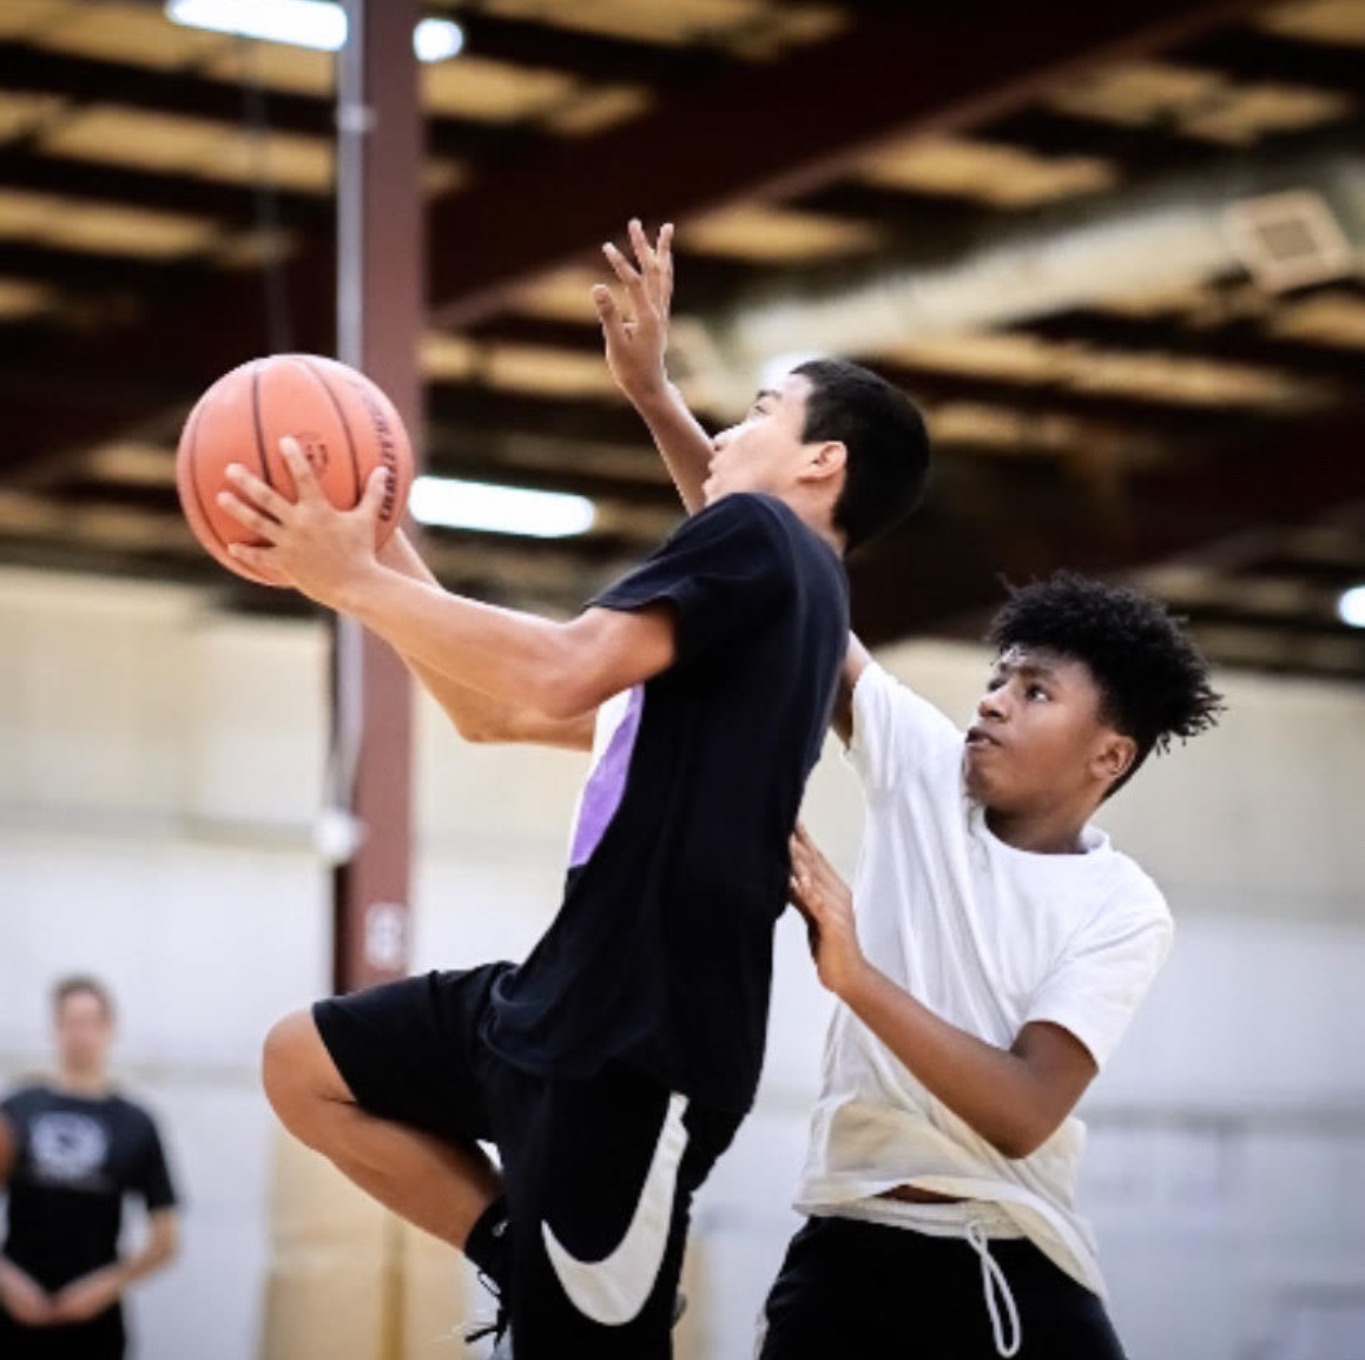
(999, 947)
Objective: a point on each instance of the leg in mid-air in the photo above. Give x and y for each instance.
(439, 1185)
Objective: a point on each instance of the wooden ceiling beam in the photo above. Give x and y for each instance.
(1256, 55)
(148, 89)
(761, 130)
(945, 565)
(119, 186)
(1237, 341)
(769, 131)
(1150, 413)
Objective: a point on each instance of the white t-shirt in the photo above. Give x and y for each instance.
(989, 938)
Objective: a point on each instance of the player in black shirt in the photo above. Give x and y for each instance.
(73, 1149)
(613, 1066)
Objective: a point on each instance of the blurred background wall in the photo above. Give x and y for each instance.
(161, 771)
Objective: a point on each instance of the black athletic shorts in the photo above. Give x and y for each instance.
(102, 1338)
(599, 1173)
(853, 1288)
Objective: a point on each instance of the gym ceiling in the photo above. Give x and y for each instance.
(1114, 250)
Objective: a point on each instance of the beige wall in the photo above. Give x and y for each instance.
(160, 767)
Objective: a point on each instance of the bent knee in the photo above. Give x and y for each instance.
(298, 1072)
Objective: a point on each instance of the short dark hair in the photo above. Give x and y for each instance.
(82, 984)
(888, 446)
(1153, 682)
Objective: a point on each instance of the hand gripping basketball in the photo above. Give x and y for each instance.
(307, 542)
(344, 424)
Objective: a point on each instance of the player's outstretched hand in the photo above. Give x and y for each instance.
(317, 548)
(824, 899)
(636, 337)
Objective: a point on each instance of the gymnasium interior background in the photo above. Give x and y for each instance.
(1117, 255)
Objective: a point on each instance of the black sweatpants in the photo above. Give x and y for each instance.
(864, 1289)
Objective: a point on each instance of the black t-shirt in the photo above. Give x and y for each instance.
(661, 954)
(76, 1159)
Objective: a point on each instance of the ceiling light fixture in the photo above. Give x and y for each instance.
(483, 506)
(1351, 607)
(317, 24)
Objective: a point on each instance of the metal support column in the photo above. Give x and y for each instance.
(380, 302)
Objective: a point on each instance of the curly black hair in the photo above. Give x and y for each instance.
(1153, 681)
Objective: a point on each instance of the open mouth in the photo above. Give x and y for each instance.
(978, 739)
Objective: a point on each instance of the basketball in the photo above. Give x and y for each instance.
(344, 424)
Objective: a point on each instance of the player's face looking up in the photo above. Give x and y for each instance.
(84, 1031)
(1040, 739)
(767, 451)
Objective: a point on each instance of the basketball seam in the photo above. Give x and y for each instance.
(205, 520)
(345, 426)
(256, 422)
(205, 523)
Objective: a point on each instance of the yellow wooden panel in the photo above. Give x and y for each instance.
(563, 295)
(24, 18)
(757, 232)
(277, 66)
(598, 109)
(20, 298)
(557, 372)
(1018, 357)
(21, 113)
(80, 225)
(1329, 21)
(448, 357)
(660, 21)
(1007, 176)
(125, 136)
(114, 30)
(1135, 92)
(132, 464)
(1250, 112)
(492, 91)
(1326, 319)
(1199, 382)
(1160, 377)
(193, 146)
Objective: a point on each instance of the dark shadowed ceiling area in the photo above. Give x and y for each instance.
(1115, 251)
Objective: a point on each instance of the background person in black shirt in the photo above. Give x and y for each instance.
(613, 1066)
(71, 1149)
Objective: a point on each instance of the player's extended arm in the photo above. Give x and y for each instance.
(562, 670)
(636, 342)
(480, 717)
(91, 1294)
(1015, 1098)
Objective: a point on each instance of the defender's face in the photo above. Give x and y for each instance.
(765, 451)
(1038, 733)
(84, 1032)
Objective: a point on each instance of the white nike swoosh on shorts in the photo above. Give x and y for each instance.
(613, 1290)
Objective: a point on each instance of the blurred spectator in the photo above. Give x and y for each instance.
(70, 1150)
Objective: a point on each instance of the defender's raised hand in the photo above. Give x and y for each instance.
(636, 338)
(824, 899)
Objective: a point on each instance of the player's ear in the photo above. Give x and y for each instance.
(1115, 757)
(827, 460)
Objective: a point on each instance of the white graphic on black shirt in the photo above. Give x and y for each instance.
(67, 1147)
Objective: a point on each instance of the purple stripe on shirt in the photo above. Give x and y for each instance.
(606, 784)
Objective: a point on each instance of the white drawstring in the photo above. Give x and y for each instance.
(993, 1279)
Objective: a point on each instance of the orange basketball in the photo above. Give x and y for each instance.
(344, 424)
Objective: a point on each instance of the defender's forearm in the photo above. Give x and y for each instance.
(992, 1089)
